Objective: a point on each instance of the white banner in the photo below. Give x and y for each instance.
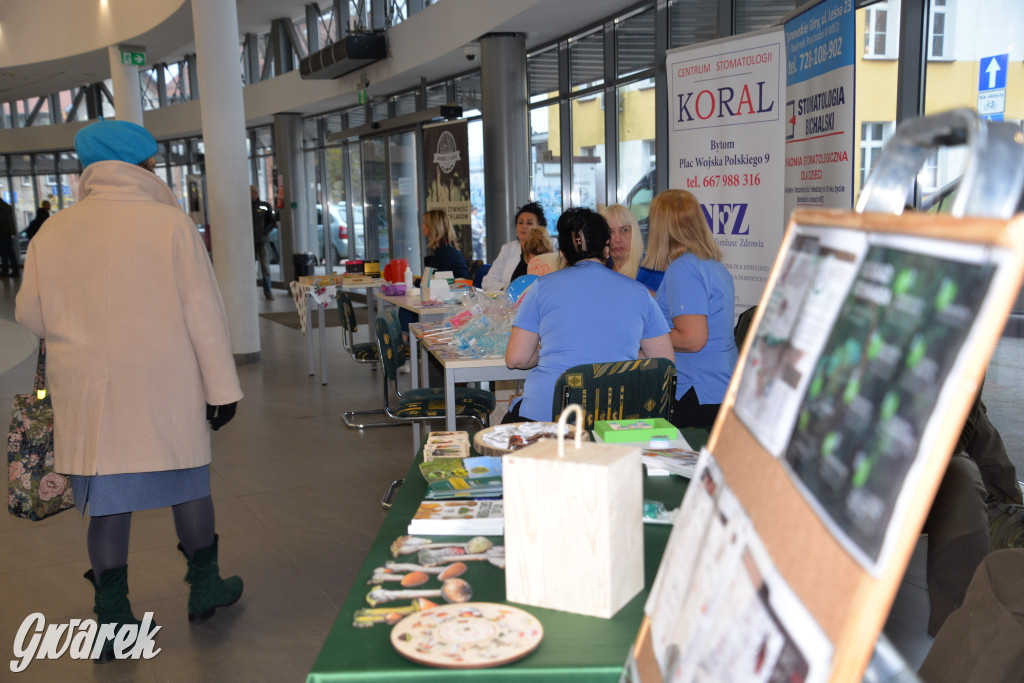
(820, 47)
(726, 111)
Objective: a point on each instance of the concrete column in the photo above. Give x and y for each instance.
(506, 134)
(127, 90)
(288, 154)
(227, 178)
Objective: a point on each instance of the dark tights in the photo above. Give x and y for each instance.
(108, 535)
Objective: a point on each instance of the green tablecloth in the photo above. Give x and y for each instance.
(575, 648)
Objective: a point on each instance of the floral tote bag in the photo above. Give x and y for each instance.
(34, 490)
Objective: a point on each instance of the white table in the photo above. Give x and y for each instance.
(370, 289)
(456, 369)
(308, 297)
(412, 303)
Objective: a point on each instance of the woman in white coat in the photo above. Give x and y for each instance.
(138, 360)
(511, 262)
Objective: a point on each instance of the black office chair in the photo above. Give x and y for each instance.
(415, 405)
(362, 352)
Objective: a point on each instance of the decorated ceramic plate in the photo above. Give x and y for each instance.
(473, 635)
(503, 439)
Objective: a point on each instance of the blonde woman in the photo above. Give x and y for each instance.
(442, 241)
(539, 254)
(696, 297)
(627, 245)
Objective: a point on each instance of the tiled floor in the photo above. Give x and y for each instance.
(297, 498)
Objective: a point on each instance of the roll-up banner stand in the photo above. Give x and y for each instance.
(446, 160)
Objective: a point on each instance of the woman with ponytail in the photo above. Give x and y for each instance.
(584, 313)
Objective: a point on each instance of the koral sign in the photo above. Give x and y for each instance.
(722, 89)
(719, 103)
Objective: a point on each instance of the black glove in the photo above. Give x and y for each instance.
(220, 415)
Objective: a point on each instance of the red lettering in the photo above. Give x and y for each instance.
(711, 109)
(745, 99)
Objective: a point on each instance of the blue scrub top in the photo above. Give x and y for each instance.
(696, 286)
(650, 278)
(585, 313)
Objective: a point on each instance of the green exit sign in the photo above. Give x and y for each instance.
(361, 96)
(133, 58)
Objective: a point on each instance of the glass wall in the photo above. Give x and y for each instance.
(405, 218)
(588, 172)
(637, 152)
(22, 189)
(876, 77)
(334, 195)
(375, 206)
(68, 180)
(478, 217)
(46, 181)
(545, 163)
(354, 164)
(975, 57)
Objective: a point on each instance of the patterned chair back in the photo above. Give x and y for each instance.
(347, 312)
(348, 320)
(389, 343)
(618, 391)
(743, 326)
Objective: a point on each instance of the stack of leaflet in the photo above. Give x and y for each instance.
(462, 477)
(681, 461)
(663, 449)
(458, 518)
(446, 445)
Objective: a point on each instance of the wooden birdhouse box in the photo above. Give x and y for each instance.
(574, 525)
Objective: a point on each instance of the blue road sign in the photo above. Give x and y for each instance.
(992, 72)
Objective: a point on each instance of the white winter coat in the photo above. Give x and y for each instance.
(121, 287)
(500, 274)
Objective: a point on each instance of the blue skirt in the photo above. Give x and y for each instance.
(113, 494)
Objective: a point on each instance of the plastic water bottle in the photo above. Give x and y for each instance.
(408, 279)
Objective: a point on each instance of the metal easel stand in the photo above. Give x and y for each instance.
(993, 175)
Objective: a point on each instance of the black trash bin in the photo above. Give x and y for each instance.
(304, 263)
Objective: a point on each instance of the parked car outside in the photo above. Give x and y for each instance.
(638, 200)
(338, 231)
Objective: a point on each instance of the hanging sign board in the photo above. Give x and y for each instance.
(446, 160)
(820, 52)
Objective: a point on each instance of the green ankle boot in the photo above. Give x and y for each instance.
(112, 605)
(209, 591)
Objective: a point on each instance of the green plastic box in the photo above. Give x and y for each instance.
(621, 431)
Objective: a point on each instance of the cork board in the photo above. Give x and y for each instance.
(849, 596)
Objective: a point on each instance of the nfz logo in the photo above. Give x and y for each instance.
(726, 219)
(723, 102)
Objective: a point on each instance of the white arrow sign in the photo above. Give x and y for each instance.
(992, 69)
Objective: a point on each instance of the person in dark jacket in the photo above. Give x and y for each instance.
(41, 215)
(263, 222)
(8, 231)
(441, 240)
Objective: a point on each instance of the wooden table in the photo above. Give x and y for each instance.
(457, 368)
